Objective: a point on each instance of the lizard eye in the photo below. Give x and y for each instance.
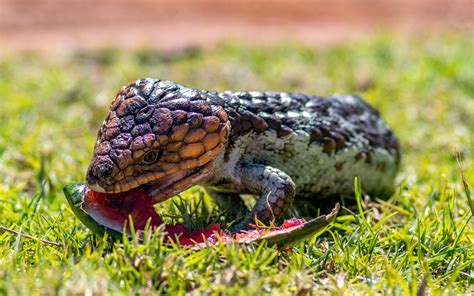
(151, 157)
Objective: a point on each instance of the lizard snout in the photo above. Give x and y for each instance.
(99, 174)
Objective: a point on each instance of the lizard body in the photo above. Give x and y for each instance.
(279, 146)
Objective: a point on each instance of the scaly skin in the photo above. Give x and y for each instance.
(278, 146)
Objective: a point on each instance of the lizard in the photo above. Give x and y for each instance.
(163, 137)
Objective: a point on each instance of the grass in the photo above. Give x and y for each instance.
(420, 240)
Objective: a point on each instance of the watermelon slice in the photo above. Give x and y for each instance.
(104, 212)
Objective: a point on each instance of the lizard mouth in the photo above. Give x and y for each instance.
(170, 185)
(157, 190)
(114, 210)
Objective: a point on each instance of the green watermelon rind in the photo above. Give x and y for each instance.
(75, 196)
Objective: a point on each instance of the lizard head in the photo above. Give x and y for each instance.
(158, 136)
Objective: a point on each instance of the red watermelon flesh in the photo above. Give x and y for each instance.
(113, 211)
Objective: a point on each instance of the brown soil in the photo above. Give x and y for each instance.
(52, 25)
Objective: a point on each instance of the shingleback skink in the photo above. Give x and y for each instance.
(164, 137)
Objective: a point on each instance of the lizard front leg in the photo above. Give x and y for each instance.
(276, 192)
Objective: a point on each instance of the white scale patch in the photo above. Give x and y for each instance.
(312, 170)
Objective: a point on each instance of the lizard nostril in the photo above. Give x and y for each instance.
(102, 171)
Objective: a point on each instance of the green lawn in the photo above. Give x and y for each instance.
(422, 238)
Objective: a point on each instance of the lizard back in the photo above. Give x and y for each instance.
(322, 143)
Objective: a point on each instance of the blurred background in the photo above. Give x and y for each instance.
(52, 25)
